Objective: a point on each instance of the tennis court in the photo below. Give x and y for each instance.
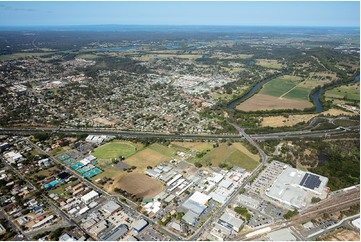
(92, 173)
(77, 166)
(51, 184)
(85, 169)
(63, 157)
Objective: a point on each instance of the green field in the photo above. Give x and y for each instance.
(280, 85)
(114, 149)
(21, 55)
(349, 92)
(298, 93)
(235, 154)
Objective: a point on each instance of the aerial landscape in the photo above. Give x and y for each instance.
(180, 121)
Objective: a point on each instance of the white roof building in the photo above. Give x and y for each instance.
(90, 196)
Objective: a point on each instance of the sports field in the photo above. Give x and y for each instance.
(114, 149)
(235, 154)
(139, 185)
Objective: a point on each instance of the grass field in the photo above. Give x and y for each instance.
(228, 97)
(197, 146)
(265, 102)
(272, 64)
(148, 57)
(349, 92)
(235, 154)
(298, 93)
(114, 149)
(140, 185)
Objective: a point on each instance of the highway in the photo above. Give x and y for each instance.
(136, 134)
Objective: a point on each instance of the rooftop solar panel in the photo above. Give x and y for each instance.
(310, 181)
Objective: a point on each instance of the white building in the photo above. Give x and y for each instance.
(89, 197)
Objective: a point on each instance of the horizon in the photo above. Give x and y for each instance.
(238, 13)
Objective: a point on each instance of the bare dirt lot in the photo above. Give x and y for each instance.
(140, 185)
(265, 102)
(342, 235)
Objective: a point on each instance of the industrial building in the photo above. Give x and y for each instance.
(190, 217)
(110, 207)
(292, 186)
(229, 221)
(89, 197)
(197, 203)
(116, 234)
(282, 235)
(139, 225)
(152, 173)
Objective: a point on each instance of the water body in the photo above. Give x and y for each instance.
(243, 98)
(316, 100)
(251, 62)
(119, 48)
(357, 78)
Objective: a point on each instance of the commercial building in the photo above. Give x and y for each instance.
(292, 186)
(2, 229)
(139, 225)
(248, 201)
(152, 173)
(13, 157)
(89, 197)
(230, 221)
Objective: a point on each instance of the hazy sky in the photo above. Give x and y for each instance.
(181, 13)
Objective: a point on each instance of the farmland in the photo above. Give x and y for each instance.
(265, 102)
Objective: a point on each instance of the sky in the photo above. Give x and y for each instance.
(181, 13)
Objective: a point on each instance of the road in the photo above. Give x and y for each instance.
(131, 134)
(219, 212)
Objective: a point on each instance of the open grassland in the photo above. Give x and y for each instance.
(150, 156)
(272, 64)
(265, 102)
(291, 120)
(87, 56)
(21, 55)
(115, 149)
(197, 146)
(235, 154)
(298, 93)
(139, 185)
(348, 92)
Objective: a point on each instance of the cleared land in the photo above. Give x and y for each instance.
(291, 120)
(342, 235)
(114, 149)
(150, 156)
(265, 102)
(272, 64)
(235, 154)
(140, 185)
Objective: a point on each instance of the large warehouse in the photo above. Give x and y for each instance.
(292, 187)
(197, 203)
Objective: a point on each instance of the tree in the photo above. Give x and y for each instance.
(315, 200)
(198, 164)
